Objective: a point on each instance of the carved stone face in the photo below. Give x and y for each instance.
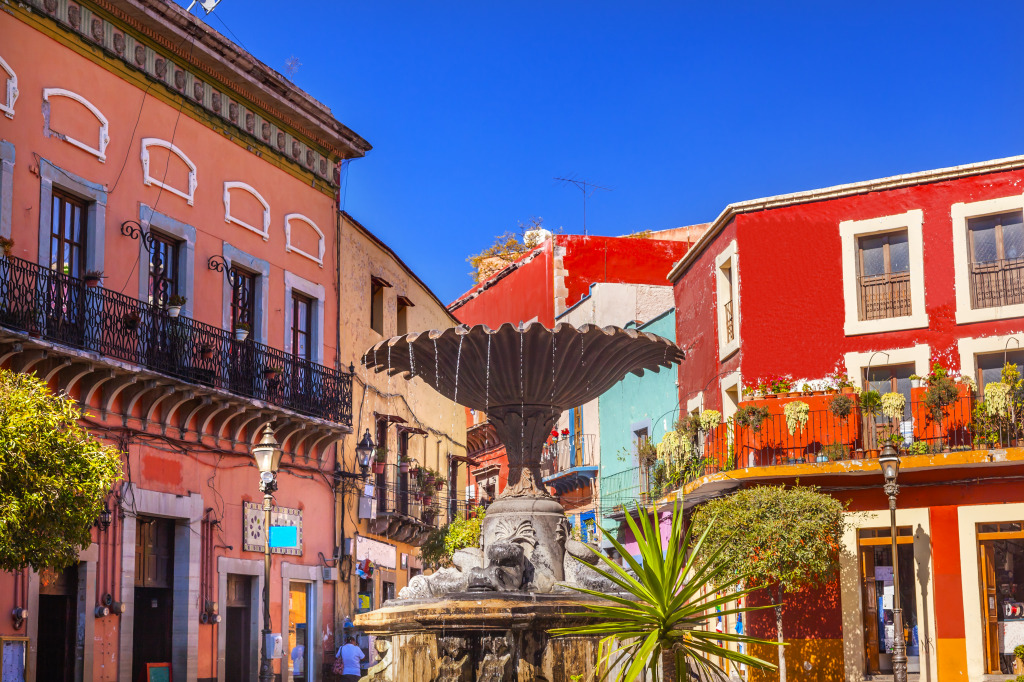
(74, 16)
(265, 130)
(97, 30)
(119, 43)
(280, 140)
(179, 79)
(197, 90)
(506, 569)
(233, 112)
(250, 122)
(158, 67)
(215, 101)
(50, 5)
(140, 55)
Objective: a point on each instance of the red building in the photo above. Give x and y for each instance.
(877, 280)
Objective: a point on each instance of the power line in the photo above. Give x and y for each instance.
(583, 186)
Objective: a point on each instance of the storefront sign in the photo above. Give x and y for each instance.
(380, 553)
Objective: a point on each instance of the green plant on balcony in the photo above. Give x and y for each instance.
(835, 451)
(918, 447)
(751, 416)
(893, 404)
(840, 406)
(646, 452)
(709, 419)
(380, 455)
(797, 413)
(997, 399)
(871, 401)
(674, 446)
(769, 385)
(838, 380)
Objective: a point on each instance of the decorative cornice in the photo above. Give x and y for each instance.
(194, 62)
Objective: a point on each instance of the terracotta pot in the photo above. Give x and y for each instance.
(92, 282)
(795, 394)
(849, 390)
(856, 454)
(403, 467)
(378, 467)
(831, 391)
(871, 453)
(207, 354)
(769, 396)
(810, 457)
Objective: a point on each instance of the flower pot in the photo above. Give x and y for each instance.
(811, 457)
(206, 353)
(795, 394)
(849, 390)
(403, 467)
(378, 467)
(871, 453)
(856, 454)
(92, 282)
(173, 310)
(439, 485)
(427, 500)
(271, 375)
(241, 334)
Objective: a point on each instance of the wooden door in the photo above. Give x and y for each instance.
(239, 629)
(986, 551)
(870, 608)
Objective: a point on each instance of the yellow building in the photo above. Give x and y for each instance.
(384, 518)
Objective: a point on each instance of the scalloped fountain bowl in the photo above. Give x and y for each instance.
(488, 618)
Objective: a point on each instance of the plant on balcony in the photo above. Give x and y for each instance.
(770, 385)
(6, 245)
(206, 351)
(665, 606)
(941, 393)
(893, 404)
(54, 476)
(439, 483)
(774, 537)
(709, 419)
(646, 452)
(272, 372)
(404, 463)
(443, 542)
(871, 401)
(130, 321)
(835, 451)
(997, 399)
(840, 382)
(92, 278)
(174, 304)
(674, 446)
(968, 381)
(797, 413)
(918, 447)
(241, 331)
(751, 416)
(380, 458)
(840, 406)
(984, 427)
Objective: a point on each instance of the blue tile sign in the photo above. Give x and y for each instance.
(284, 536)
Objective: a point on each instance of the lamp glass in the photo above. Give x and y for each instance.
(364, 450)
(267, 453)
(889, 460)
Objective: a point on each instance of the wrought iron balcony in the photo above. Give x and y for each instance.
(63, 309)
(569, 463)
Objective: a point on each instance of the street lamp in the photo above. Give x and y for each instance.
(364, 451)
(267, 454)
(889, 460)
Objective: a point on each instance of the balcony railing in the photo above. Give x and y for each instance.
(884, 296)
(63, 309)
(568, 453)
(997, 283)
(624, 489)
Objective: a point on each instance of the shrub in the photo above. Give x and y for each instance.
(997, 398)
(751, 416)
(871, 401)
(942, 392)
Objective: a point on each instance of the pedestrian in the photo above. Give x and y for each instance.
(350, 656)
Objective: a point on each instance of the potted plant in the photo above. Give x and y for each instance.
(206, 351)
(1018, 659)
(130, 321)
(403, 465)
(272, 372)
(380, 458)
(871, 401)
(241, 331)
(840, 406)
(439, 483)
(797, 413)
(92, 278)
(941, 393)
(34, 315)
(6, 245)
(751, 416)
(174, 304)
(892, 405)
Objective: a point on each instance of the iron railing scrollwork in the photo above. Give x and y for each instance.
(63, 309)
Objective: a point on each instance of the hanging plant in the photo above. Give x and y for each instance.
(796, 415)
(751, 416)
(893, 404)
(997, 398)
(674, 446)
(709, 419)
(840, 406)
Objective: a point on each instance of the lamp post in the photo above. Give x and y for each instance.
(889, 460)
(267, 454)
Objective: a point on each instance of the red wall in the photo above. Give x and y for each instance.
(520, 296)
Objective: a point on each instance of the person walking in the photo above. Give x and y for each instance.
(350, 655)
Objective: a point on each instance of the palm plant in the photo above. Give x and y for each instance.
(667, 604)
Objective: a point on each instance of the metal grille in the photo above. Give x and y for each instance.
(730, 333)
(997, 283)
(63, 309)
(884, 296)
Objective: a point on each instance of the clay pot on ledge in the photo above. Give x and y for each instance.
(871, 453)
(378, 467)
(241, 334)
(173, 310)
(849, 390)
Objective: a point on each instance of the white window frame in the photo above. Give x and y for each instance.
(728, 257)
(695, 403)
(849, 231)
(7, 156)
(7, 106)
(857, 362)
(316, 293)
(228, 218)
(730, 381)
(100, 151)
(148, 179)
(960, 213)
(971, 348)
(289, 247)
(235, 256)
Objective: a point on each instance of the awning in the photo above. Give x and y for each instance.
(388, 417)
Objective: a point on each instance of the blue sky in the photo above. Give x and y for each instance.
(682, 108)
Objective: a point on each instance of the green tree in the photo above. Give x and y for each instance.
(666, 605)
(783, 537)
(443, 542)
(506, 249)
(54, 476)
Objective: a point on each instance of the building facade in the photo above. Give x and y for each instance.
(877, 281)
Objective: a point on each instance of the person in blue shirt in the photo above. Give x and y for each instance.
(350, 655)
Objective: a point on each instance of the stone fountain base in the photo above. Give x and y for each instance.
(480, 637)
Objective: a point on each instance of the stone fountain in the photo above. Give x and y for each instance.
(487, 618)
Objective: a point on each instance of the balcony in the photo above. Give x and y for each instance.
(93, 321)
(885, 296)
(624, 489)
(569, 463)
(997, 283)
(399, 511)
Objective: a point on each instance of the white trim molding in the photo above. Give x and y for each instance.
(849, 231)
(288, 247)
(228, 218)
(968, 516)
(856, 363)
(728, 259)
(960, 213)
(695, 403)
(148, 179)
(970, 348)
(7, 106)
(100, 152)
(730, 381)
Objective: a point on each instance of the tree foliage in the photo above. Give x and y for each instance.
(54, 476)
(506, 249)
(666, 604)
(789, 537)
(443, 542)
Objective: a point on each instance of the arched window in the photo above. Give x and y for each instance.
(7, 106)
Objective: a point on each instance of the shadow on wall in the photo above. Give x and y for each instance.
(922, 557)
(807, 660)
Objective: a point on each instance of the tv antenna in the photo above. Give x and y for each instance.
(584, 187)
(207, 5)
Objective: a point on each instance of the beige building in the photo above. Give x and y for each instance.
(386, 520)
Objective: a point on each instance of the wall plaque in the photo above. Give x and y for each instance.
(252, 527)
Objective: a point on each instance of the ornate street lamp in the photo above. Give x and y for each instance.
(267, 454)
(889, 460)
(364, 452)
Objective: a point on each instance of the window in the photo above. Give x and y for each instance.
(243, 298)
(990, 366)
(1000, 549)
(884, 280)
(403, 479)
(302, 323)
(67, 235)
(997, 259)
(727, 287)
(382, 478)
(403, 315)
(387, 591)
(377, 286)
(889, 379)
(883, 273)
(163, 269)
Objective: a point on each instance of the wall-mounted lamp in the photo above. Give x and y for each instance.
(18, 616)
(105, 518)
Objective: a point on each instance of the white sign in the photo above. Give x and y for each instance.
(380, 553)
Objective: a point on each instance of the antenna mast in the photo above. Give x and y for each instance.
(583, 186)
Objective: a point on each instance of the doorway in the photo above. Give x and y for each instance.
(299, 651)
(877, 589)
(1001, 564)
(154, 592)
(58, 615)
(238, 628)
